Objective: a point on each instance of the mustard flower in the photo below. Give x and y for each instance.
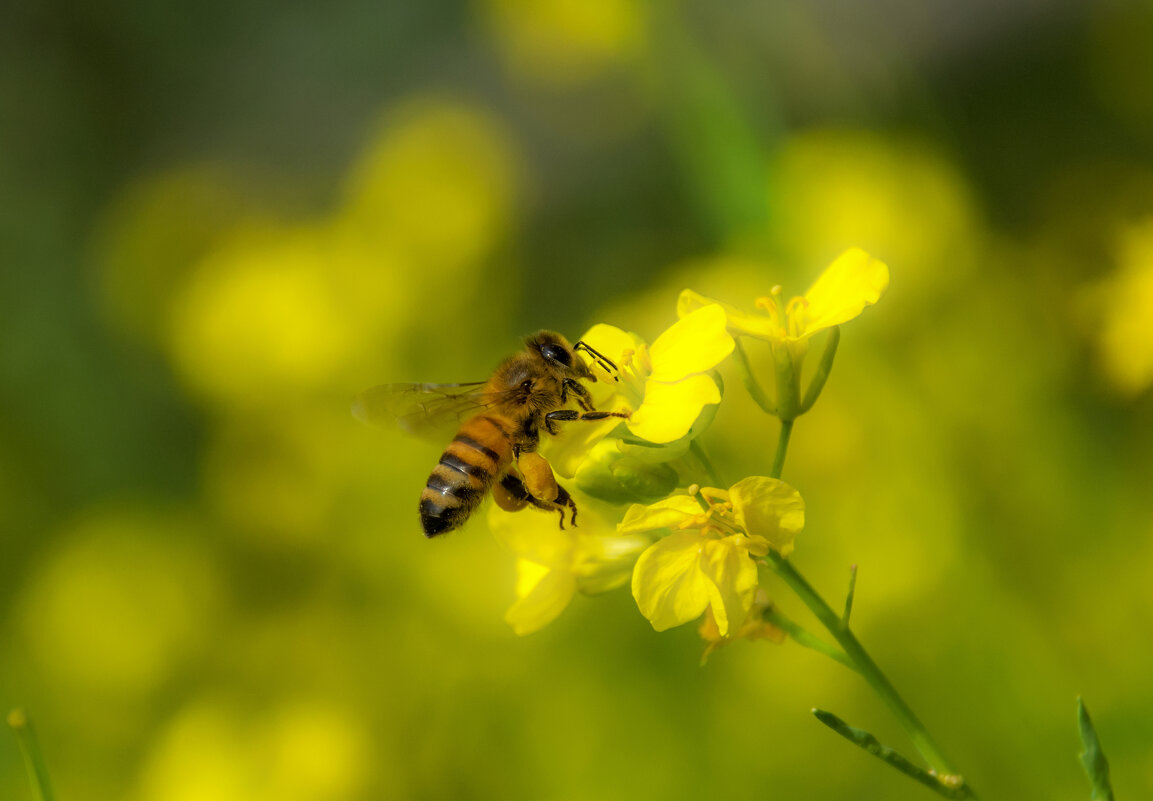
(755, 627)
(666, 385)
(852, 282)
(708, 561)
(554, 564)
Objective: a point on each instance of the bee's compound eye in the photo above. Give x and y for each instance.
(555, 353)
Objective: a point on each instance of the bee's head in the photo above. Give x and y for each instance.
(558, 354)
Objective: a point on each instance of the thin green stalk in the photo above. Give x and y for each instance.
(699, 452)
(864, 664)
(33, 759)
(803, 637)
(849, 596)
(782, 448)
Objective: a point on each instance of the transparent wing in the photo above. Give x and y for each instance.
(422, 409)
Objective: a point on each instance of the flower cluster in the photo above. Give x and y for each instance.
(707, 559)
(688, 551)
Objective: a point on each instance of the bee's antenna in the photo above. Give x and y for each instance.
(604, 362)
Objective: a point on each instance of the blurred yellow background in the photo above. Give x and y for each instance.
(218, 224)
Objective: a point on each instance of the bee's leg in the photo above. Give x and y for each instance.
(510, 493)
(518, 495)
(601, 361)
(584, 398)
(563, 499)
(538, 476)
(541, 484)
(572, 414)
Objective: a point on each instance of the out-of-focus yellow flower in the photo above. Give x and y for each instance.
(708, 561)
(853, 281)
(263, 318)
(833, 188)
(666, 385)
(152, 236)
(1125, 335)
(566, 42)
(436, 186)
(303, 750)
(553, 564)
(125, 597)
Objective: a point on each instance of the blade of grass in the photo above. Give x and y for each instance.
(1093, 758)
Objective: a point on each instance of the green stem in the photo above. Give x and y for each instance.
(30, 750)
(803, 637)
(699, 452)
(863, 664)
(782, 448)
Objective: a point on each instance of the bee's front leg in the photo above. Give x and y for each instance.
(584, 398)
(572, 414)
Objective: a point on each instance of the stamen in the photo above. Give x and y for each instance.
(645, 360)
(796, 313)
(767, 304)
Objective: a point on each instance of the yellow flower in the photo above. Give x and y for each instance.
(708, 562)
(553, 564)
(667, 385)
(1123, 304)
(852, 282)
(755, 627)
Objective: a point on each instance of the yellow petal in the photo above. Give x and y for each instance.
(611, 341)
(733, 576)
(543, 595)
(737, 321)
(852, 282)
(694, 344)
(669, 410)
(669, 513)
(769, 508)
(668, 584)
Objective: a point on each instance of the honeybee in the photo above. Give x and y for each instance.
(495, 448)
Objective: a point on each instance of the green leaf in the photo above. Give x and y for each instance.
(1093, 758)
(947, 786)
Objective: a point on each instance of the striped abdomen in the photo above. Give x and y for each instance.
(480, 452)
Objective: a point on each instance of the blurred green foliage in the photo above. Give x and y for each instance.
(219, 222)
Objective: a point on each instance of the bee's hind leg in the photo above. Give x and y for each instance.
(563, 500)
(511, 487)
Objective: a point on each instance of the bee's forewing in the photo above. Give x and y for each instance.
(418, 408)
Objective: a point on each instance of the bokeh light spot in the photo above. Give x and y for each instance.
(563, 43)
(120, 602)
